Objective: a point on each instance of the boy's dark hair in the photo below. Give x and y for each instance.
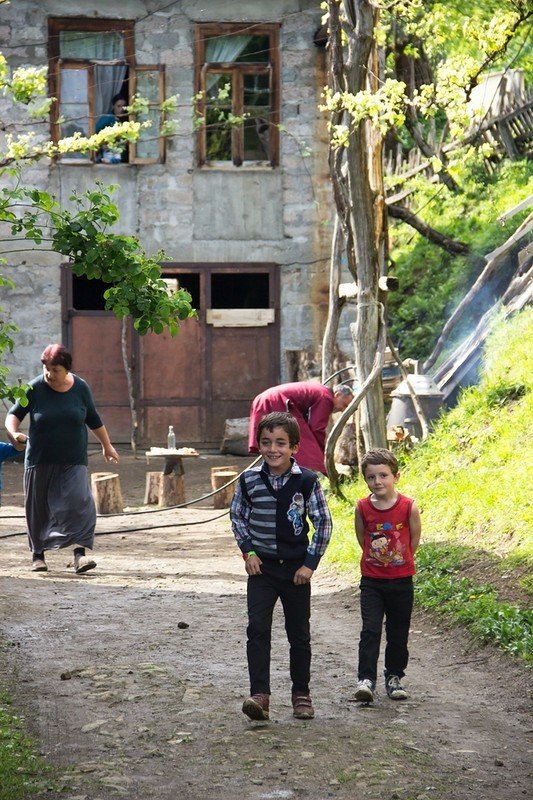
(280, 419)
(379, 456)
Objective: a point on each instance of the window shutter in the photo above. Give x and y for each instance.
(148, 81)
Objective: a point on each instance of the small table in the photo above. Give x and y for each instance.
(171, 488)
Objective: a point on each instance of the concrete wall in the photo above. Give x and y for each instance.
(280, 215)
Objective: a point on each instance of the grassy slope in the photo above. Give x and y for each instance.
(432, 281)
(472, 480)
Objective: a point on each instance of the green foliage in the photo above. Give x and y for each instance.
(23, 772)
(82, 236)
(471, 479)
(465, 474)
(432, 281)
(440, 588)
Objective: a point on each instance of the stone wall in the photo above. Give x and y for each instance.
(280, 215)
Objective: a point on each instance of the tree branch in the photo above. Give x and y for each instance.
(429, 233)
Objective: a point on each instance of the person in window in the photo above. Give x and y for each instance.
(119, 114)
(60, 509)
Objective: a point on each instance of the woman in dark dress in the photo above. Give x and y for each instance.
(60, 509)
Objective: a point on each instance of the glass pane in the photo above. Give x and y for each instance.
(75, 117)
(147, 145)
(217, 136)
(218, 108)
(104, 45)
(147, 85)
(256, 90)
(257, 134)
(218, 88)
(74, 106)
(258, 50)
(74, 86)
(237, 48)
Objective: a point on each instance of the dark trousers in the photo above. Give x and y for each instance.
(276, 581)
(392, 600)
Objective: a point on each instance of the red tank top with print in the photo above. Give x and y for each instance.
(387, 539)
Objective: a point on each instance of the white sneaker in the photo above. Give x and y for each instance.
(364, 691)
(394, 688)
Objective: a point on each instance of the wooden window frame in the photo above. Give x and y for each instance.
(56, 63)
(238, 69)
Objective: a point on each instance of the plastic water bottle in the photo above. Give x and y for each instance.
(171, 438)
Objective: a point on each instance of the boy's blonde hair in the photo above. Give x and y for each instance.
(379, 456)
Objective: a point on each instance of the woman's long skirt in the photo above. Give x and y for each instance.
(60, 509)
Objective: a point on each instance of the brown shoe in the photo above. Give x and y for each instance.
(302, 706)
(256, 707)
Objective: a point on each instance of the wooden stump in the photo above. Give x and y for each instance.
(151, 493)
(219, 477)
(107, 493)
(171, 490)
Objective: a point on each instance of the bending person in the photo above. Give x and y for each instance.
(312, 404)
(60, 509)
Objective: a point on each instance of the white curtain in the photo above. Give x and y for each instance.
(98, 46)
(223, 50)
(107, 83)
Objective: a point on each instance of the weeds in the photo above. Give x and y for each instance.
(440, 588)
(23, 772)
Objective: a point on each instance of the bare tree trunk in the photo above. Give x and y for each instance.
(373, 376)
(129, 378)
(334, 308)
(367, 223)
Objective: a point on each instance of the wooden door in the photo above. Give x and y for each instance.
(94, 338)
(209, 372)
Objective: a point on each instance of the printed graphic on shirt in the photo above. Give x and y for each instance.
(386, 549)
(295, 513)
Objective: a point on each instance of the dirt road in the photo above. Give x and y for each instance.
(133, 677)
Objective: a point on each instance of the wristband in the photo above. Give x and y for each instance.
(247, 555)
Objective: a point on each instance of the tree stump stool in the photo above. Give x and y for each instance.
(107, 493)
(219, 477)
(171, 490)
(151, 492)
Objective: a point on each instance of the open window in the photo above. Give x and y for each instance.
(93, 75)
(237, 75)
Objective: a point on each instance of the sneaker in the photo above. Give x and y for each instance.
(364, 691)
(302, 707)
(38, 563)
(83, 564)
(256, 707)
(394, 688)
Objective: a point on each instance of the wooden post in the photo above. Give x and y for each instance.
(151, 494)
(171, 490)
(219, 477)
(107, 493)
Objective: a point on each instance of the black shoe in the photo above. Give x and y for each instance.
(38, 563)
(394, 688)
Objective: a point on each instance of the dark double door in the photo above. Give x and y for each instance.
(209, 372)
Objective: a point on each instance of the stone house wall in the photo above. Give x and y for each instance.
(276, 215)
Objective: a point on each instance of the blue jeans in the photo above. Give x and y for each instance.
(263, 591)
(393, 600)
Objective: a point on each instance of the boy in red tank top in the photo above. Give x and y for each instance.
(387, 525)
